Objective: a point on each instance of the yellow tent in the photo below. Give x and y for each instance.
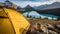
(12, 22)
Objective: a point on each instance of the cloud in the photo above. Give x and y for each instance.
(58, 0)
(29, 0)
(33, 0)
(25, 3)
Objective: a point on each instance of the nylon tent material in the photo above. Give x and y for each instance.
(12, 22)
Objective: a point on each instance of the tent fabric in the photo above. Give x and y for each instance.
(2, 13)
(15, 23)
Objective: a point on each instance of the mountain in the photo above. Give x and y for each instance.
(40, 7)
(53, 9)
(29, 8)
(8, 4)
(50, 11)
(50, 6)
(20, 8)
(53, 5)
(1, 4)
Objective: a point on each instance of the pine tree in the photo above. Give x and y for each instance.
(52, 18)
(30, 16)
(40, 17)
(58, 18)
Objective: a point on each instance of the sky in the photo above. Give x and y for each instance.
(32, 3)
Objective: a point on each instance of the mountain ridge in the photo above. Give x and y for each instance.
(50, 6)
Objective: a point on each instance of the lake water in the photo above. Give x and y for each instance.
(34, 14)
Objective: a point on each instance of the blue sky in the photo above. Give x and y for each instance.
(24, 3)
